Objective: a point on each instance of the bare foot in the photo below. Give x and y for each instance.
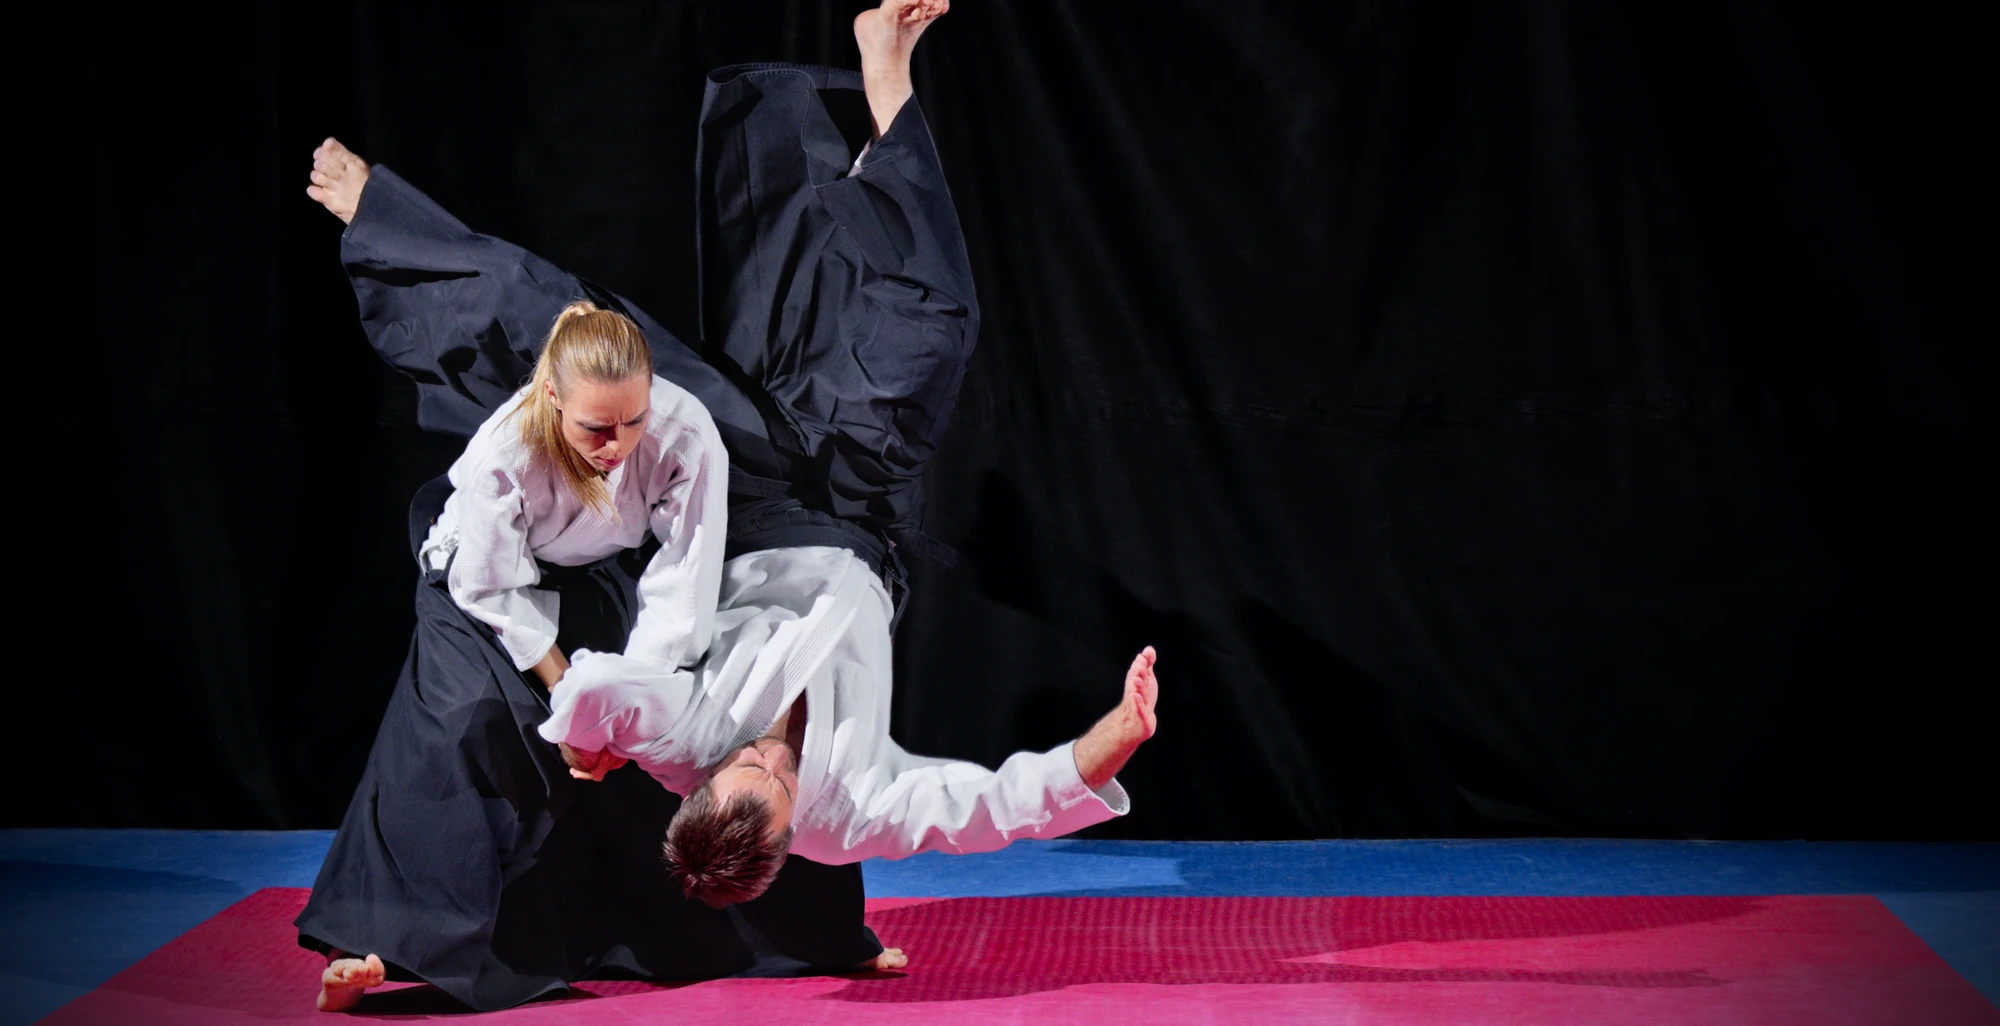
(887, 35)
(341, 985)
(337, 178)
(890, 958)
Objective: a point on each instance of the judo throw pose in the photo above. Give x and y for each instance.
(839, 313)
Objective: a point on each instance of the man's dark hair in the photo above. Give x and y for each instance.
(723, 852)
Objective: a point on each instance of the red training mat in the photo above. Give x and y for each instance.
(1416, 961)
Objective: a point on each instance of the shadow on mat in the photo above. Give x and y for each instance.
(422, 999)
(426, 1000)
(1026, 945)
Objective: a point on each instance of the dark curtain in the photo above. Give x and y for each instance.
(1505, 417)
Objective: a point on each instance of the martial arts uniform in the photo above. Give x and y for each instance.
(816, 621)
(510, 512)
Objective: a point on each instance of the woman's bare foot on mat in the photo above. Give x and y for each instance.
(890, 958)
(337, 178)
(341, 985)
(887, 35)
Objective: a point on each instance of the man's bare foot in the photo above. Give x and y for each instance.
(887, 36)
(890, 958)
(1103, 749)
(341, 985)
(337, 178)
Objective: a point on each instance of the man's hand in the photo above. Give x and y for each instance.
(589, 765)
(1102, 750)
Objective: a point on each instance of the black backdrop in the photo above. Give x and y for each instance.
(1504, 417)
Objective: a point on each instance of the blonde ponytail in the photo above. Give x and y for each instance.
(587, 344)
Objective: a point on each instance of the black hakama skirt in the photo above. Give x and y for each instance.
(470, 859)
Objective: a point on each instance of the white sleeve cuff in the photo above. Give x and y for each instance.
(526, 647)
(1067, 787)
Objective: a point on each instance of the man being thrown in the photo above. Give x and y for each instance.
(860, 795)
(780, 740)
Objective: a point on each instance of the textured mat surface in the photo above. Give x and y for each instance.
(1392, 960)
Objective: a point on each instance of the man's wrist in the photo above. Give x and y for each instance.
(1102, 751)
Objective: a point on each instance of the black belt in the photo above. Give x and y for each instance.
(743, 485)
(557, 576)
(761, 524)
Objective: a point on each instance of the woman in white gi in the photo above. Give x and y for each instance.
(592, 458)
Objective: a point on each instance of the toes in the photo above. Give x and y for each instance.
(373, 972)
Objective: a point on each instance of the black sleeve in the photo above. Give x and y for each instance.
(465, 314)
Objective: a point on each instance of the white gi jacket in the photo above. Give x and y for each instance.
(817, 620)
(508, 509)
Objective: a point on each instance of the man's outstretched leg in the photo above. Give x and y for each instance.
(888, 35)
(802, 258)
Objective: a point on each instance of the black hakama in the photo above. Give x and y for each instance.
(470, 859)
(844, 294)
(840, 314)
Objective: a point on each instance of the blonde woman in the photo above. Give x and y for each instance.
(587, 512)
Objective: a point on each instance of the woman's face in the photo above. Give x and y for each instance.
(602, 421)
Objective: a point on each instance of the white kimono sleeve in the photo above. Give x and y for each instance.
(493, 573)
(626, 702)
(924, 804)
(678, 591)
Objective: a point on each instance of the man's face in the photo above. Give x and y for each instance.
(766, 767)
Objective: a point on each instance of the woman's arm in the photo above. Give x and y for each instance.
(551, 668)
(680, 586)
(582, 765)
(626, 702)
(493, 574)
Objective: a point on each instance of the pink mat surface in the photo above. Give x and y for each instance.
(1819, 960)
